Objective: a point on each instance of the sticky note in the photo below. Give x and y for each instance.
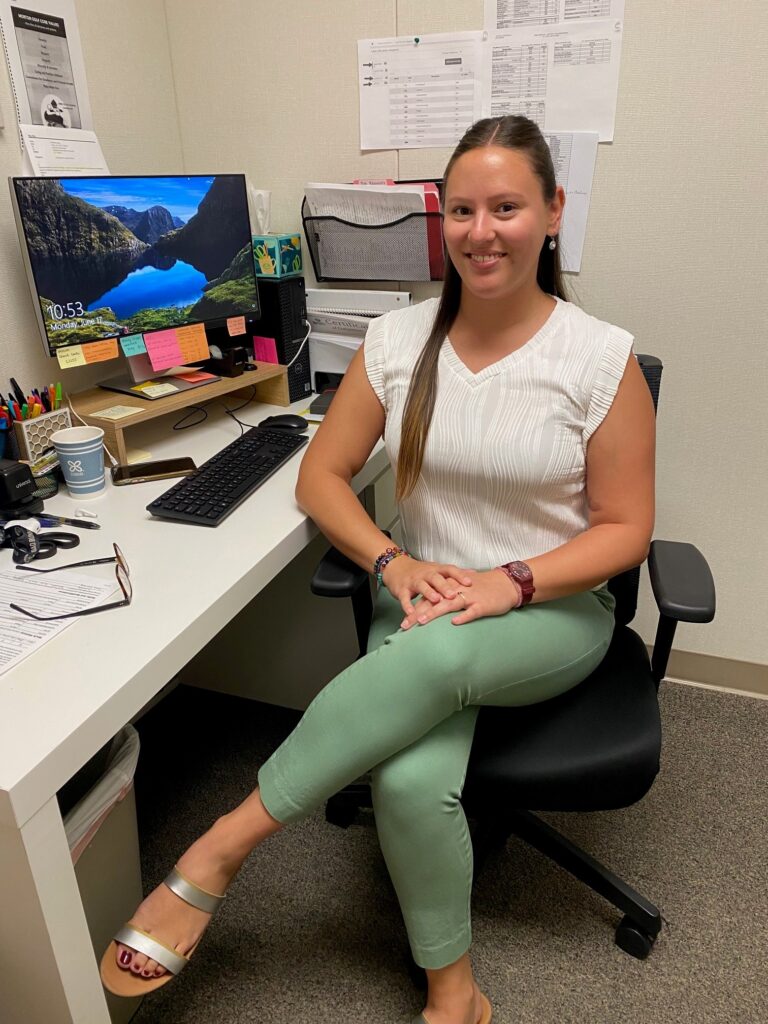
(194, 378)
(71, 355)
(163, 349)
(99, 351)
(265, 349)
(158, 390)
(236, 325)
(193, 343)
(115, 412)
(133, 345)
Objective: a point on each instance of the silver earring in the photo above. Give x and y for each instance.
(552, 245)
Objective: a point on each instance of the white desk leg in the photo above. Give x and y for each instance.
(47, 967)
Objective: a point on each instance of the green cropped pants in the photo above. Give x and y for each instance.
(407, 712)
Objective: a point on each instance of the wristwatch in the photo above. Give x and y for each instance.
(520, 573)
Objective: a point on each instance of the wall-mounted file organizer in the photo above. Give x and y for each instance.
(405, 248)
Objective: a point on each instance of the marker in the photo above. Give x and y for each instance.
(58, 394)
(18, 392)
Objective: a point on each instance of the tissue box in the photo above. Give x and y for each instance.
(277, 255)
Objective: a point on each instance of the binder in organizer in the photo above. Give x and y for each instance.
(434, 230)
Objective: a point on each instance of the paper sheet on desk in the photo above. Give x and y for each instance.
(45, 595)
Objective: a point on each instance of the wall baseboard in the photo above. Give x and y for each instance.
(729, 674)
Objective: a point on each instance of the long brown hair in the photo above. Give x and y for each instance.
(512, 132)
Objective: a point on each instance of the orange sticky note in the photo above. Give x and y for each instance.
(236, 325)
(193, 343)
(163, 349)
(99, 351)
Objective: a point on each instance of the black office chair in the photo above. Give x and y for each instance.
(594, 748)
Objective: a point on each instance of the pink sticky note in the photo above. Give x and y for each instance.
(265, 349)
(194, 378)
(236, 326)
(163, 349)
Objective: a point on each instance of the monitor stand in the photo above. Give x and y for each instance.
(268, 383)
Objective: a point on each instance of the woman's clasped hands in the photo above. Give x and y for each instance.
(446, 589)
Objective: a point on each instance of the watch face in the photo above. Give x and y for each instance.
(520, 573)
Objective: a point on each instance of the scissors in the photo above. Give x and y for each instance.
(28, 546)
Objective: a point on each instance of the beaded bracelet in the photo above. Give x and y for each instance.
(383, 561)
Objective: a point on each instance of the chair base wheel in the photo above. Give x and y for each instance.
(633, 940)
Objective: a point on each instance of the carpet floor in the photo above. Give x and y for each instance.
(311, 932)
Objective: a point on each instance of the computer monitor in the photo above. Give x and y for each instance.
(108, 256)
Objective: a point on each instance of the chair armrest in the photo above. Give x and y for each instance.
(682, 582)
(337, 576)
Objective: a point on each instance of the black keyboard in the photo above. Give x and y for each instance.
(226, 480)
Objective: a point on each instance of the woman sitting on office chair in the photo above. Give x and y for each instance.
(523, 435)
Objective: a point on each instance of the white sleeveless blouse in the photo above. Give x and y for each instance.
(504, 471)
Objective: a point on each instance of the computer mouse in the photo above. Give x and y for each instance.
(286, 421)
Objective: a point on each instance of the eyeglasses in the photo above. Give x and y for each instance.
(122, 572)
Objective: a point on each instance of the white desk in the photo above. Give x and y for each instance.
(58, 707)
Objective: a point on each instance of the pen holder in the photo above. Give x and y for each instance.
(33, 436)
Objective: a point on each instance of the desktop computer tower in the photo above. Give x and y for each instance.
(283, 315)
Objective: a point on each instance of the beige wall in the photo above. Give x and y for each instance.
(675, 246)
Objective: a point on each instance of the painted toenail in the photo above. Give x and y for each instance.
(125, 957)
(146, 973)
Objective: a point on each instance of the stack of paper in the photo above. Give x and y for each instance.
(61, 594)
(376, 232)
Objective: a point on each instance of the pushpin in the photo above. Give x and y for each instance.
(416, 40)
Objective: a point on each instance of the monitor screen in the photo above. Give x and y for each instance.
(109, 257)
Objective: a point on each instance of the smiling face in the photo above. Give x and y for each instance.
(496, 220)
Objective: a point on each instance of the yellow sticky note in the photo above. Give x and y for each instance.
(99, 351)
(158, 390)
(193, 343)
(71, 355)
(236, 325)
(115, 412)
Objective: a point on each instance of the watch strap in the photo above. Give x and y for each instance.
(520, 573)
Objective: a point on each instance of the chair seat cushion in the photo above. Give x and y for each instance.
(596, 747)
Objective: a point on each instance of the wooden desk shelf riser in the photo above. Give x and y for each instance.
(270, 380)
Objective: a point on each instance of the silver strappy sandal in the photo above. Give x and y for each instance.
(124, 982)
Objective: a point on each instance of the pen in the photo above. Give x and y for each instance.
(50, 520)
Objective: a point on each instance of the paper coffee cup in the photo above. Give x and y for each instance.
(81, 457)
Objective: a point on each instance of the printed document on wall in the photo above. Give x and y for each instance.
(45, 63)
(564, 77)
(62, 152)
(419, 91)
(573, 156)
(501, 14)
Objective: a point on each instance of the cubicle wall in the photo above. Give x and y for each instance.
(674, 249)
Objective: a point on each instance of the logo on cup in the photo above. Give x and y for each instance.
(75, 466)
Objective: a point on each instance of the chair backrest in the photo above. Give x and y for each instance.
(624, 587)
